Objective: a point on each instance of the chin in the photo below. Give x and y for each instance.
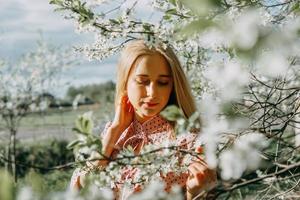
(150, 113)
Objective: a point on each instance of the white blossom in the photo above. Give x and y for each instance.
(272, 64)
(245, 30)
(155, 190)
(244, 155)
(228, 77)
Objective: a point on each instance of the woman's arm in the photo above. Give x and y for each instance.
(108, 143)
(123, 118)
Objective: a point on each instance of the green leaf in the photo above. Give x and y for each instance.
(201, 7)
(84, 124)
(57, 2)
(78, 127)
(171, 11)
(78, 130)
(147, 27)
(194, 117)
(173, 2)
(114, 21)
(72, 144)
(59, 9)
(166, 17)
(296, 8)
(172, 113)
(195, 27)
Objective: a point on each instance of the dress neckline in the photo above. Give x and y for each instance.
(158, 117)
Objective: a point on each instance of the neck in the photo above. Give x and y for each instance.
(141, 119)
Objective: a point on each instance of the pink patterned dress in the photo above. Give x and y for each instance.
(153, 131)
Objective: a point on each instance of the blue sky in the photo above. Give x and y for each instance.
(23, 21)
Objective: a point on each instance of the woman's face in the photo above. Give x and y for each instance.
(149, 85)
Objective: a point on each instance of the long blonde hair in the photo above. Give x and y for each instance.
(181, 94)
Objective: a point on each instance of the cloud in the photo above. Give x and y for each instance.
(31, 14)
(22, 20)
(87, 73)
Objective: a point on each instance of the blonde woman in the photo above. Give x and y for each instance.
(149, 79)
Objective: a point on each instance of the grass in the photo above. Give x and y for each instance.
(55, 123)
(65, 116)
(53, 181)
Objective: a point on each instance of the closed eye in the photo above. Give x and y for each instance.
(142, 82)
(147, 82)
(163, 82)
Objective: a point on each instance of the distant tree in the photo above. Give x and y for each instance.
(101, 93)
(25, 87)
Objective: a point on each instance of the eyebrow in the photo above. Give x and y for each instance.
(162, 75)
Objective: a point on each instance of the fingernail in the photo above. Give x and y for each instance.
(200, 176)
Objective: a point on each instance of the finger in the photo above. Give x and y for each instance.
(123, 104)
(201, 161)
(130, 108)
(128, 105)
(122, 100)
(192, 183)
(193, 171)
(127, 101)
(199, 150)
(201, 173)
(202, 166)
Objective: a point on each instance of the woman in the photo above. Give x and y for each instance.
(149, 79)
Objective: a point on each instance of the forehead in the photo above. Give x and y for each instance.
(151, 65)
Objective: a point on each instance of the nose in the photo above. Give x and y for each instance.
(152, 90)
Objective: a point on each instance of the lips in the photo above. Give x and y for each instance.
(150, 104)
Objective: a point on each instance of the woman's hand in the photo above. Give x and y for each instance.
(124, 114)
(123, 118)
(201, 178)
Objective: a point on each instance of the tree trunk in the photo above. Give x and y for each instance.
(8, 152)
(13, 155)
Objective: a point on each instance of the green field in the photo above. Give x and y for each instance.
(65, 116)
(56, 123)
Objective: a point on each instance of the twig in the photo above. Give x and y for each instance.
(287, 191)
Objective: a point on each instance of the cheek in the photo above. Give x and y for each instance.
(165, 94)
(135, 93)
